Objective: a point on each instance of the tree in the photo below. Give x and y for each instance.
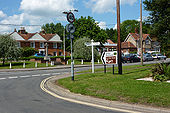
(57, 28)
(159, 18)
(8, 48)
(87, 27)
(82, 51)
(27, 51)
(112, 34)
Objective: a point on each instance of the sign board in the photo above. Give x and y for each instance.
(94, 43)
(109, 57)
(70, 17)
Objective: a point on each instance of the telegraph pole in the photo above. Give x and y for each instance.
(118, 38)
(141, 38)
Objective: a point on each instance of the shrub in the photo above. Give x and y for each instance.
(161, 72)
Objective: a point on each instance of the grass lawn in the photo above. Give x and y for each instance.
(28, 64)
(123, 87)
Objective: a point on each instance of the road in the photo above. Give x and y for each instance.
(20, 93)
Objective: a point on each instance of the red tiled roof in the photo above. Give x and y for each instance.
(137, 36)
(27, 36)
(110, 41)
(47, 36)
(127, 45)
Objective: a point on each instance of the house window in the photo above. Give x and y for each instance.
(18, 44)
(54, 45)
(147, 42)
(32, 44)
(41, 44)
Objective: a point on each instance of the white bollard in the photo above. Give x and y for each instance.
(46, 63)
(67, 62)
(35, 64)
(81, 61)
(10, 65)
(98, 61)
(52, 63)
(24, 64)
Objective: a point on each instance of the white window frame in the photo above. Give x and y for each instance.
(54, 45)
(18, 44)
(32, 44)
(42, 44)
(147, 42)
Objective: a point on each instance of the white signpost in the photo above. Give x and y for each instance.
(92, 44)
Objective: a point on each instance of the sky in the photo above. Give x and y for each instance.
(40, 12)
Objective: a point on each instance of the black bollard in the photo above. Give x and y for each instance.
(104, 68)
(113, 69)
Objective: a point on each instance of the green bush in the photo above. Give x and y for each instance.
(161, 72)
(28, 51)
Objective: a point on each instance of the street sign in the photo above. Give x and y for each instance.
(70, 17)
(70, 28)
(109, 57)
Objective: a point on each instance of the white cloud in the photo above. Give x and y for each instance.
(115, 27)
(102, 25)
(46, 8)
(102, 6)
(36, 12)
(2, 14)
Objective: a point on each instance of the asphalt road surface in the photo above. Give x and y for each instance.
(20, 93)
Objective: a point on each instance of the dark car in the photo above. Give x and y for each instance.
(131, 58)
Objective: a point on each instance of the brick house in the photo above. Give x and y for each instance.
(38, 41)
(134, 38)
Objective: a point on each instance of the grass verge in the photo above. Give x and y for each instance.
(123, 87)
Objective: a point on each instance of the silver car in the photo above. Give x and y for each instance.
(147, 57)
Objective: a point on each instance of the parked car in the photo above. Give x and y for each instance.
(147, 57)
(131, 58)
(159, 56)
(39, 55)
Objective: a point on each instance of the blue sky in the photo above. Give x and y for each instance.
(39, 12)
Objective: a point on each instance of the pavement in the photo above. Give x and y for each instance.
(49, 86)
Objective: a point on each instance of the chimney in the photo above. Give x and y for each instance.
(22, 30)
(15, 30)
(136, 30)
(43, 31)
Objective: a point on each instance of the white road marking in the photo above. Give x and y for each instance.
(13, 77)
(2, 78)
(36, 75)
(45, 74)
(25, 76)
(55, 73)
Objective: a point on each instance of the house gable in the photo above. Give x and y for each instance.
(36, 37)
(131, 39)
(55, 38)
(17, 37)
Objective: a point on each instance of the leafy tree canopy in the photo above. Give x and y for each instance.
(159, 18)
(8, 48)
(57, 28)
(82, 51)
(87, 27)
